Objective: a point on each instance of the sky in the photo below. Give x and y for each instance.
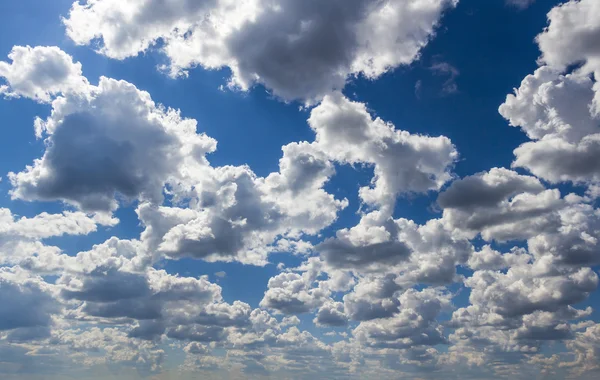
(299, 189)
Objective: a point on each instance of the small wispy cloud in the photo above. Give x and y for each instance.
(446, 69)
(520, 4)
(221, 274)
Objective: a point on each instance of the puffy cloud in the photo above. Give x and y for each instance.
(414, 325)
(571, 36)
(519, 309)
(293, 293)
(586, 348)
(436, 252)
(500, 204)
(117, 286)
(331, 314)
(403, 162)
(374, 297)
(46, 225)
(366, 246)
(300, 50)
(28, 302)
(112, 142)
(520, 291)
(21, 238)
(490, 259)
(557, 112)
(114, 346)
(41, 73)
(426, 254)
(487, 189)
(557, 106)
(236, 215)
(575, 242)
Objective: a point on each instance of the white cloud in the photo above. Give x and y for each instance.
(331, 314)
(403, 162)
(571, 36)
(41, 73)
(500, 204)
(293, 293)
(558, 106)
(112, 142)
(21, 238)
(415, 324)
(299, 50)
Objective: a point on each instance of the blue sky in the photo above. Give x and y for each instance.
(315, 189)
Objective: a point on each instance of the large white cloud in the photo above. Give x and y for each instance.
(572, 35)
(111, 142)
(297, 49)
(558, 106)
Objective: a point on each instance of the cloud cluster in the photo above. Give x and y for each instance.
(384, 295)
(297, 49)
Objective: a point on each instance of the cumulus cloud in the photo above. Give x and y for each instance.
(41, 73)
(385, 277)
(299, 50)
(374, 297)
(403, 162)
(236, 215)
(27, 303)
(21, 238)
(571, 35)
(294, 293)
(414, 325)
(331, 314)
(496, 204)
(558, 106)
(112, 142)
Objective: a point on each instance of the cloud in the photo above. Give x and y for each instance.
(41, 73)
(446, 69)
(331, 314)
(21, 238)
(571, 35)
(520, 4)
(113, 142)
(293, 293)
(27, 302)
(374, 297)
(388, 278)
(403, 162)
(298, 50)
(414, 325)
(497, 203)
(558, 105)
